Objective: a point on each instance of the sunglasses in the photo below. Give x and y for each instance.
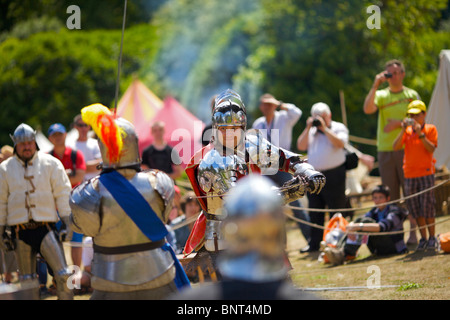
(81, 125)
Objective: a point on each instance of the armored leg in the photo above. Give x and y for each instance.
(53, 253)
(26, 263)
(26, 260)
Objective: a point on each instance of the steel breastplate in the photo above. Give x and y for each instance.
(216, 175)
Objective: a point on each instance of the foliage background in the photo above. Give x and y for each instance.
(300, 51)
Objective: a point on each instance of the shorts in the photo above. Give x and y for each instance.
(422, 205)
(77, 237)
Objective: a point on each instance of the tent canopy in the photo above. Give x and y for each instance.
(143, 108)
(183, 130)
(439, 110)
(139, 105)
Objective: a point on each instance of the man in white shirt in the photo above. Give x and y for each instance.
(88, 146)
(276, 127)
(324, 140)
(34, 195)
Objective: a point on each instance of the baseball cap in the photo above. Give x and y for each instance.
(416, 107)
(56, 127)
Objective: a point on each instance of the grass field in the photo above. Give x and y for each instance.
(410, 276)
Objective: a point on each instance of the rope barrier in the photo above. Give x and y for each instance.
(370, 207)
(194, 218)
(366, 233)
(371, 142)
(347, 209)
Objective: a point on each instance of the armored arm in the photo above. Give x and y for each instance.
(85, 203)
(315, 179)
(305, 179)
(164, 185)
(307, 175)
(66, 231)
(270, 159)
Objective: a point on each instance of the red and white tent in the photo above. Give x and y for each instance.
(139, 105)
(142, 108)
(183, 130)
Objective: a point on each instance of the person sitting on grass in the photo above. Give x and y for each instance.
(381, 218)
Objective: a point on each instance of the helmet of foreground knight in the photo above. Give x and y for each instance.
(129, 155)
(254, 232)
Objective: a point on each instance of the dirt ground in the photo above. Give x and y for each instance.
(409, 276)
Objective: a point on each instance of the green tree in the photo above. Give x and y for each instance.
(50, 76)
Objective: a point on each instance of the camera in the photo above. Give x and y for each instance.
(409, 122)
(316, 123)
(388, 75)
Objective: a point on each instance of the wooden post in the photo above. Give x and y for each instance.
(344, 113)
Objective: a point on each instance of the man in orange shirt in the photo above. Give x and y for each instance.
(420, 141)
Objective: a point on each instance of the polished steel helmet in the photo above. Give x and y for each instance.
(129, 155)
(229, 110)
(23, 133)
(254, 231)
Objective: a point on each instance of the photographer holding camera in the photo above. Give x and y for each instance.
(420, 141)
(391, 104)
(324, 140)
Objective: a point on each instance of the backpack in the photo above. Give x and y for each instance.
(335, 229)
(333, 234)
(444, 241)
(73, 158)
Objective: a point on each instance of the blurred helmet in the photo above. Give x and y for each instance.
(254, 232)
(23, 133)
(229, 111)
(129, 154)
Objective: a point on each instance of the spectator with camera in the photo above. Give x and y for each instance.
(420, 141)
(391, 104)
(324, 140)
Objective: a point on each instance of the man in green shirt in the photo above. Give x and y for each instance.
(391, 104)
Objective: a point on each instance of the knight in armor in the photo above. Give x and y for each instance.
(233, 153)
(252, 266)
(34, 195)
(132, 259)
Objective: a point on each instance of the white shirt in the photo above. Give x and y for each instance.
(46, 191)
(90, 150)
(279, 131)
(322, 154)
(88, 251)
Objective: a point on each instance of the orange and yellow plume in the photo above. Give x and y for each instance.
(101, 119)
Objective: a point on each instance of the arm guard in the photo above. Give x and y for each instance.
(66, 233)
(85, 202)
(316, 180)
